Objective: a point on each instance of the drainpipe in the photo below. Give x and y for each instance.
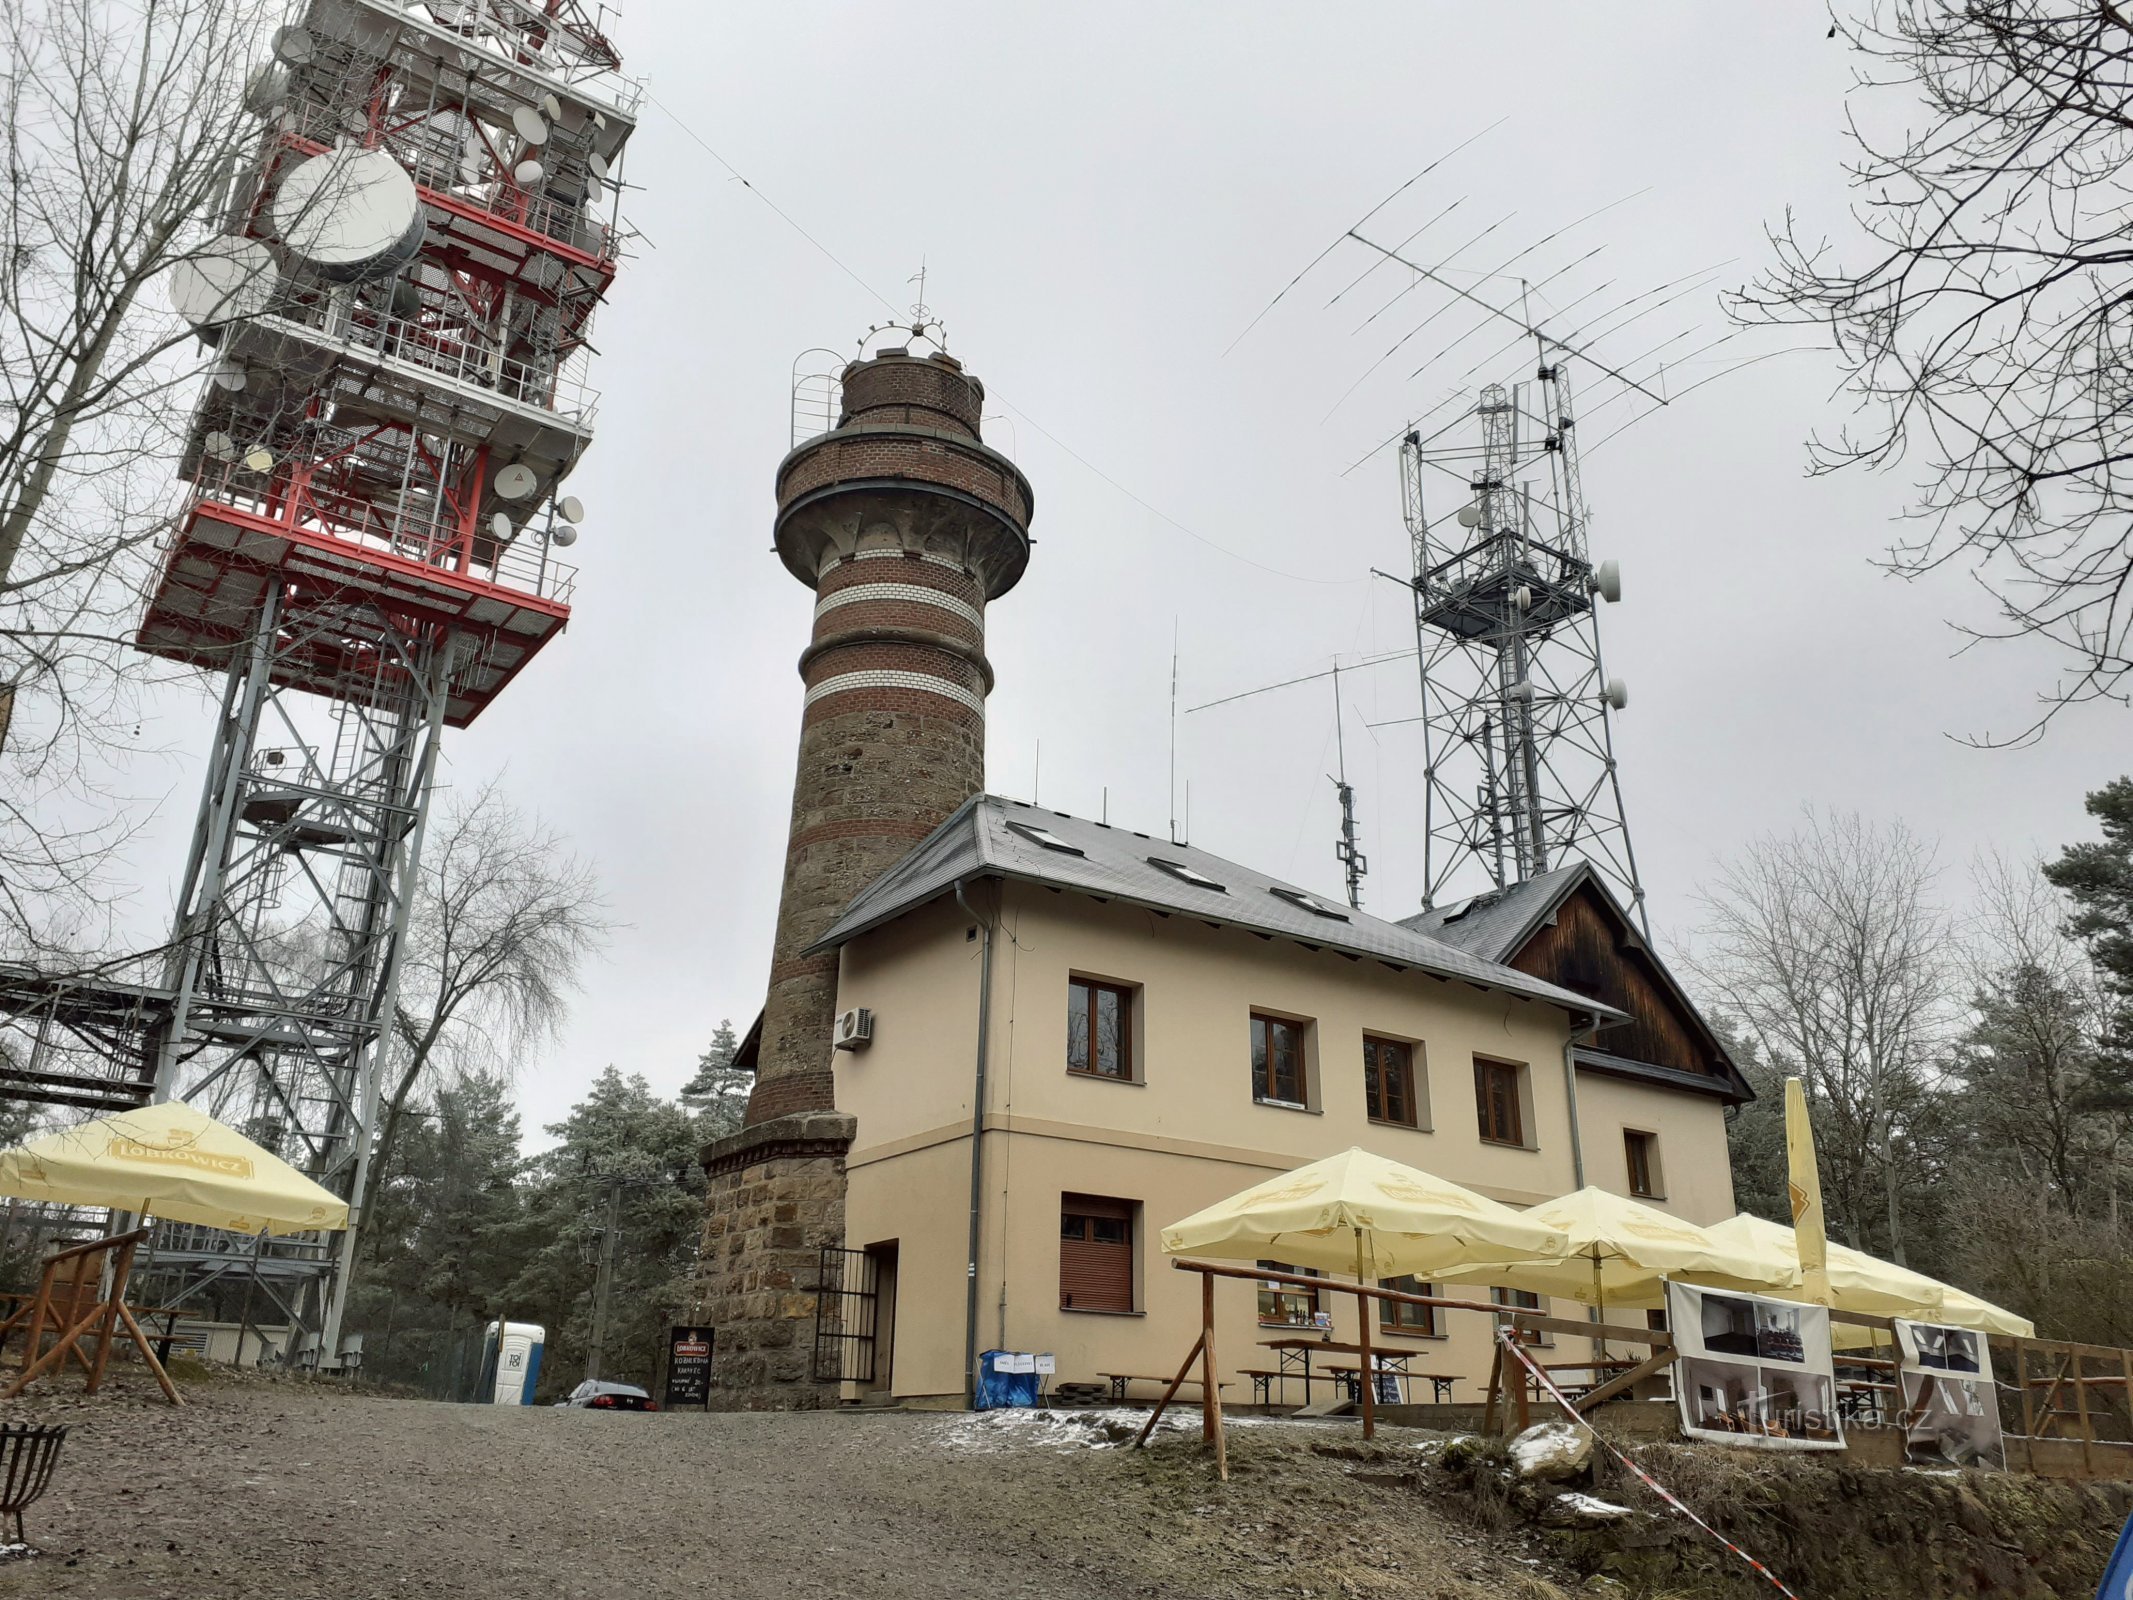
(1578, 1036)
(977, 1149)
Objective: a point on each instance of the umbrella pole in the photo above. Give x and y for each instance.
(251, 1282)
(1363, 1311)
(1599, 1312)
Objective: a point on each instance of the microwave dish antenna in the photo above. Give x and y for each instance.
(225, 280)
(351, 214)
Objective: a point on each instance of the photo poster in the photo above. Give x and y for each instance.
(1951, 1410)
(1753, 1371)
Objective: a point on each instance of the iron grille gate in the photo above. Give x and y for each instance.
(847, 1301)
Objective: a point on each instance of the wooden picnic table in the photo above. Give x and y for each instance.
(1119, 1380)
(1295, 1356)
(1440, 1382)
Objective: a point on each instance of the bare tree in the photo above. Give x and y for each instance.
(122, 126)
(1826, 946)
(503, 922)
(1988, 326)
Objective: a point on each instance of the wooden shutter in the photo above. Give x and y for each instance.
(1095, 1274)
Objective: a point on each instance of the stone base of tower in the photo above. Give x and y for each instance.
(775, 1202)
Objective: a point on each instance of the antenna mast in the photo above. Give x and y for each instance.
(1354, 865)
(1518, 743)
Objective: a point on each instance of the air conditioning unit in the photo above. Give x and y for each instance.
(855, 1028)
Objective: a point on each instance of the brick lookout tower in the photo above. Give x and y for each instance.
(904, 524)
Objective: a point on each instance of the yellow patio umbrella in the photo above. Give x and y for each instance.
(1360, 1213)
(1857, 1281)
(173, 1162)
(1617, 1252)
(1961, 1309)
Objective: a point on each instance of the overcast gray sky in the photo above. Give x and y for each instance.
(1103, 196)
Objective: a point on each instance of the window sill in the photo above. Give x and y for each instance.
(1105, 1077)
(1411, 1127)
(1410, 1333)
(1286, 1105)
(1639, 1194)
(1099, 1311)
(1507, 1144)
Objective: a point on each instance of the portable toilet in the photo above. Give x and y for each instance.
(511, 1359)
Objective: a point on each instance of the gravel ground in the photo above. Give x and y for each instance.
(288, 1491)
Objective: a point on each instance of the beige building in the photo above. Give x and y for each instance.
(1077, 1034)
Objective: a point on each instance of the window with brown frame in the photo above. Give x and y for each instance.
(1389, 1081)
(1642, 1152)
(1394, 1317)
(1095, 1253)
(1099, 1029)
(1521, 1300)
(1278, 1062)
(1496, 1098)
(1284, 1304)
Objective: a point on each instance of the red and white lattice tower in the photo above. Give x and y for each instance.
(400, 302)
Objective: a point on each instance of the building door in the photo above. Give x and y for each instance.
(883, 1257)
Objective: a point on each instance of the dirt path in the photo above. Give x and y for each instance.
(289, 1492)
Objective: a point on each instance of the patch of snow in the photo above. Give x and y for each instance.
(1550, 1450)
(1591, 1506)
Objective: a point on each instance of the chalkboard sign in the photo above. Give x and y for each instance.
(689, 1368)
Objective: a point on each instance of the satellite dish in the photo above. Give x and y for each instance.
(553, 106)
(293, 45)
(1522, 597)
(352, 214)
(562, 536)
(221, 446)
(597, 165)
(1470, 516)
(1617, 693)
(1608, 581)
(528, 173)
(230, 375)
(515, 482)
(594, 194)
(500, 528)
(570, 508)
(407, 301)
(269, 86)
(225, 280)
(530, 125)
(259, 458)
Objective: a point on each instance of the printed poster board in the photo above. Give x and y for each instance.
(688, 1368)
(1753, 1371)
(1951, 1411)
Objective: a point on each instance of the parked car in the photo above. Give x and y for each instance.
(594, 1395)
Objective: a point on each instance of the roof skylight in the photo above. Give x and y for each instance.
(1185, 874)
(1307, 902)
(1045, 837)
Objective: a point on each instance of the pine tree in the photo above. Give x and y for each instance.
(719, 1091)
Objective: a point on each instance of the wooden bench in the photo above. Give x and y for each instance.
(1440, 1383)
(1119, 1380)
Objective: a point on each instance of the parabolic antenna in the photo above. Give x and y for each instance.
(293, 45)
(530, 125)
(1470, 516)
(597, 165)
(552, 107)
(500, 528)
(221, 446)
(515, 482)
(528, 173)
(562, 536)
(225, 280)
(229, 375)
(1608, 581)
(1617, 693)
(593, 192)
(269, 86)
(570, 508)
(259, 458)
(352, 214)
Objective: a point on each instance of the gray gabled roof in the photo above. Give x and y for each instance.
(991, 837)
(1495, 924)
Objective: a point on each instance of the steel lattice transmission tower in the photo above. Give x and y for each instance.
(400, 300)
(1516, 706)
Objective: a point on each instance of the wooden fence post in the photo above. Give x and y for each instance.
(1210, 1388)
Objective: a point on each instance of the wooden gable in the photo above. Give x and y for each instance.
(1591, 948)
